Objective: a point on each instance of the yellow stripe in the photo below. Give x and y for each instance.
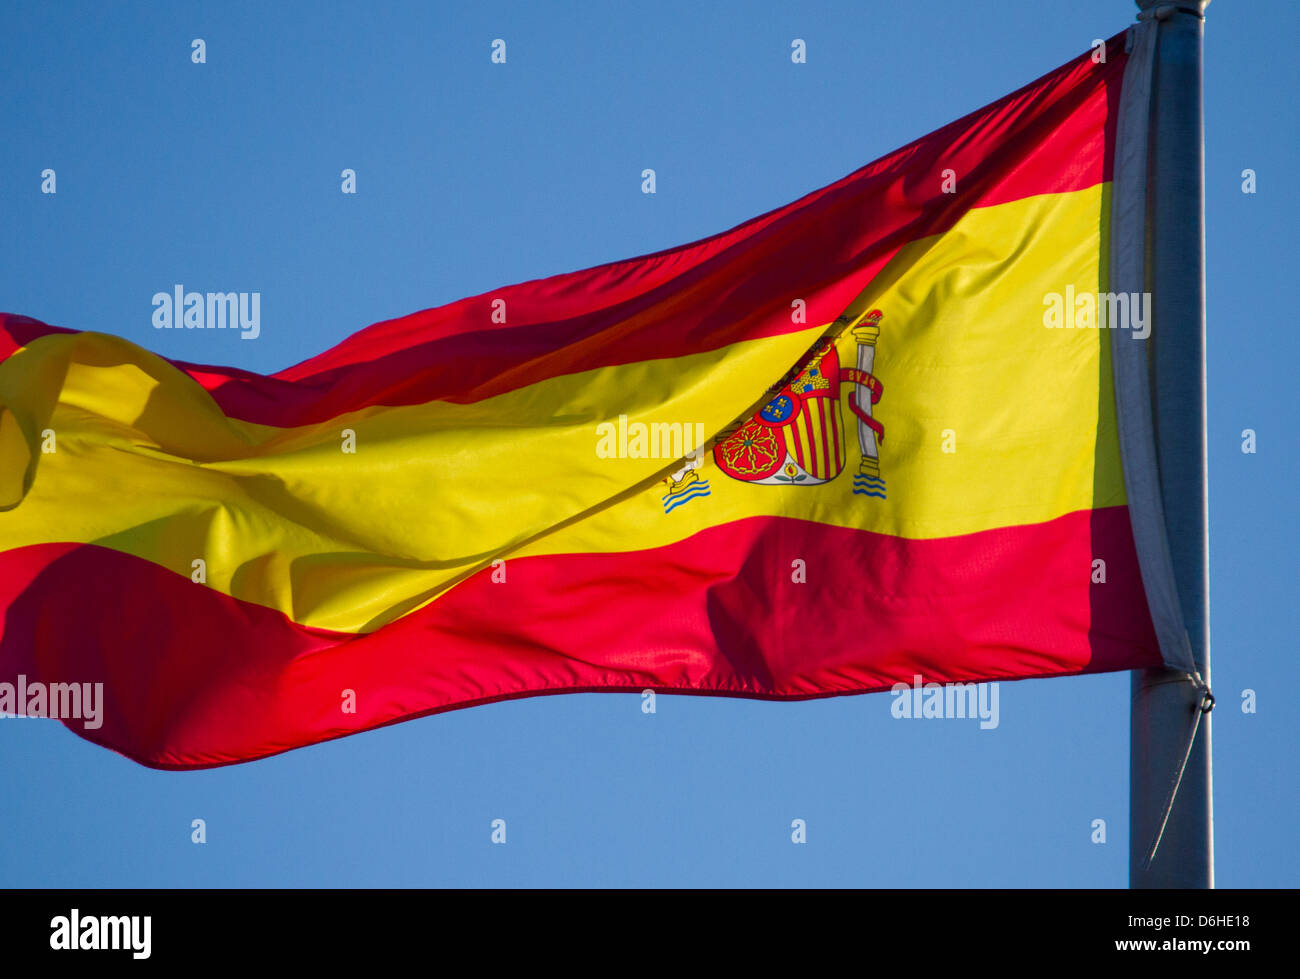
(146, 463)
(962, 349)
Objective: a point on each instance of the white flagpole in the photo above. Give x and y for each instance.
(1165, 704)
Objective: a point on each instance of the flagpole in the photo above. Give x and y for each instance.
(1165, 704)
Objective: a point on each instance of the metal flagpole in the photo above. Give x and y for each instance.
(1165, 703)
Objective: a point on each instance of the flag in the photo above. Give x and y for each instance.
(865, 438)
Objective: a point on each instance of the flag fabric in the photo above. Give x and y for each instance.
(867, 437)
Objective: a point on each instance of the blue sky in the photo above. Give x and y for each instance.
(470, 176)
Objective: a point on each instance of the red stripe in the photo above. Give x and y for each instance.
(828, 465)
(1050, 136)
(835, 434)
(194, 678)
(798, 438)
(810, 462)
(813, 462)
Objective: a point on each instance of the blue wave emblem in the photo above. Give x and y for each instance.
(869, 486)
(673, 500)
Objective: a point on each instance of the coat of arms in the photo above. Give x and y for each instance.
(796, 438)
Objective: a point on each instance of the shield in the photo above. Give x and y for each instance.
(796, 438)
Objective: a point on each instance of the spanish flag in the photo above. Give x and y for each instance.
(866, 437)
